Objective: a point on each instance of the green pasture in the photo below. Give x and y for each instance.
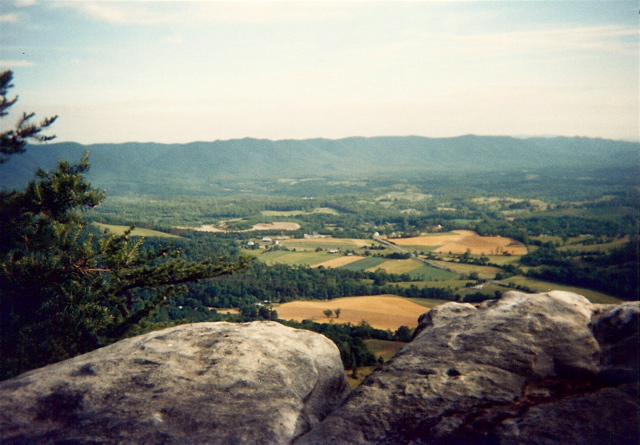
(303, 258)
(428, 302)
(545, 286)
(364, 264)
(440, 284)
(484, 272)
(504, 259)
(417, 270)
(324, 243)
(400, 266)
(119, 230)
(604, 247)
(428, 273)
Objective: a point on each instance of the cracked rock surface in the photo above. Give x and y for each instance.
(546, 368)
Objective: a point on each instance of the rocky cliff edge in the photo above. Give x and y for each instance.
(546, 368)
(525, 369)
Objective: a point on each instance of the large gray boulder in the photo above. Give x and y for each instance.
(525, 369)
(216, 383)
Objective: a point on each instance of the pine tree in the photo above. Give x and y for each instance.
(63, 289)
(14, 140)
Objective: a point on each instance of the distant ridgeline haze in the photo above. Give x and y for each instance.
(153, 168)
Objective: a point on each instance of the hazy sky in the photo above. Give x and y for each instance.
(168, 71)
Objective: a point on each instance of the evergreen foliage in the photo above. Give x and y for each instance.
(14, 140)
(63, 290)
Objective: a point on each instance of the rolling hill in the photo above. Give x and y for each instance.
(180, 168)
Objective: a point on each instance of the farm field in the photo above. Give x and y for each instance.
(380, 311)
(119, 230)
(285, 226)
(370, 262)
(504, 259)
(326, 243)
(427, 302)
(604, 247)
(275, 226)
(340, 261)
(414, 268)
(484, 272)
(440, 284)
(291, 258)
(276, 213)
(429, 273)
(315, 252)
(397, 266)
(459, 241)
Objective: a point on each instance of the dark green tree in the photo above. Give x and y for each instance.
(65, 290)
(15, 139)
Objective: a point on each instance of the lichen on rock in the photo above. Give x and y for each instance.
(546, 368)
(221, 383)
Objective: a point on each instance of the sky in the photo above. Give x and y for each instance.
(183, 71)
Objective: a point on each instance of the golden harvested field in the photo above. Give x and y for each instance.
(276, 226)
(397, 266)
(380, 311)
(460, 240)
(203, 228)
(340, 261)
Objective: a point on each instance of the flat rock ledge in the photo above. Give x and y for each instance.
(547, 368)
(214, 383)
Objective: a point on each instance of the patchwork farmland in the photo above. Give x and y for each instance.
(461, 241)
(380, 311)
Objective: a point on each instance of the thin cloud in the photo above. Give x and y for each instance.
(16, 64)
(102, 12)
(8, 18)
(446, 47)
(159, 12)
(24, 3)
(602, 38)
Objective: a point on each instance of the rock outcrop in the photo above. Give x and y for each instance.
(218, 383)
(526, 369)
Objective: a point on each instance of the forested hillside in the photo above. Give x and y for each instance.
(206, 167)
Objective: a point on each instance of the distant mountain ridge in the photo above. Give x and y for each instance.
(124, 166)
